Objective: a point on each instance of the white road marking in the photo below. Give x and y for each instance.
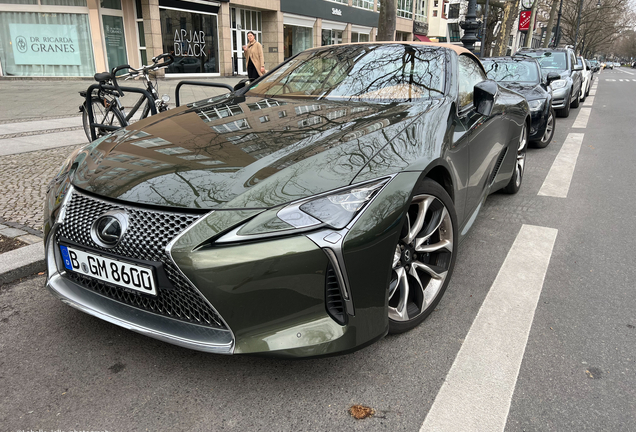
(478, 389)
(630, 73)
(589, 101)
(557, 182)
(582, 118)
(610, 79)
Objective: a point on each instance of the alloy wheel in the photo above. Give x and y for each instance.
(549, 127)
(422, 259)
(521, 157)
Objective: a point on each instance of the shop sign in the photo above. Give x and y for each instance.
(524, 20)
(45, 44)
(189, 44)
(335, 11)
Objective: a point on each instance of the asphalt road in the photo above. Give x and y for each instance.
(62, 369)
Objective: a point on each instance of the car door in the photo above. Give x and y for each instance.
(485, 135)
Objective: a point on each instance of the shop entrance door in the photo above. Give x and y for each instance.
(243, 21)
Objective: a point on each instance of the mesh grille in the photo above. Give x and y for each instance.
(148, 234)
(333, 298)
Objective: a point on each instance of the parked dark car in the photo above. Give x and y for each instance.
(566, 91)
(306, 214)
(523, 75)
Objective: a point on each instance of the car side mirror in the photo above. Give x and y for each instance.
(552, 76)
(484, 95)
(242, 83)
(578, 67)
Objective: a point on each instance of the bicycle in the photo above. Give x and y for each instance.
(106, 112)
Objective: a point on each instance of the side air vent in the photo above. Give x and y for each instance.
(333, 299)
(495, 171)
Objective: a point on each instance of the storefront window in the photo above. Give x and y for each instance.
(359, 37)
(297, 39)
(19, 2)
(45, 44)
(111, 4)
(331, 37)
(63, 2)
(193, 40)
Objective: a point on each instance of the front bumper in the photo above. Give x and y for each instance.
(560, 98)
(538, 125)
(270, 295)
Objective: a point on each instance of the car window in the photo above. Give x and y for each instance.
(512, 71)
(361, 72)
(556, 61)
(470, 73)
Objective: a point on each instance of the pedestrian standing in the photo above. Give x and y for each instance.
(254, 57)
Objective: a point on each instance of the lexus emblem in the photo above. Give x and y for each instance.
(109, 228)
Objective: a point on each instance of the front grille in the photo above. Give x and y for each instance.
(333, 298)
(148, 234)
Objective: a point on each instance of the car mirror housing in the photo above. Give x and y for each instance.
(242, 83)
(552, 76)
(484, 96)
(578, 67)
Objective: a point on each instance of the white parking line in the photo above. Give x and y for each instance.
(582, 118)
(589, 101)
(478, 389)
(557, 182)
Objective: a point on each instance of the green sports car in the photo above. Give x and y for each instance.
(308, 213)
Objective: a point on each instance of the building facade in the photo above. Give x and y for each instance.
(77, 38)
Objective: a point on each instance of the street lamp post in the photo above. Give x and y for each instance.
(470, 26)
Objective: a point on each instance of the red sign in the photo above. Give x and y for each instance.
(524, 20)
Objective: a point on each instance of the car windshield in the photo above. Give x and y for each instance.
(512, 71)
(392, 72)
(550, 60)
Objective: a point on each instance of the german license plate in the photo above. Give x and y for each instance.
(131, 276)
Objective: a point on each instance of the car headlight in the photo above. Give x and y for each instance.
(535, 105)
(334, 209)
(557, 84)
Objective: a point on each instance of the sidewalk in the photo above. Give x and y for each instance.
(40, 125)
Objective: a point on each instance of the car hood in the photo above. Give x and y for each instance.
(237, 152)
(529, 91)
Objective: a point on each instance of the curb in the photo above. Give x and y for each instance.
(21, 262)
(24, 261)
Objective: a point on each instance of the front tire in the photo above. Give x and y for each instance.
(577, 101)
(549, 131)
(520, 164)
(565, 111)
(424, 257)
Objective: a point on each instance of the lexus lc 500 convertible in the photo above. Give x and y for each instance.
(308, 213)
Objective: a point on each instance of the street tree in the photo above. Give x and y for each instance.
(387, 20)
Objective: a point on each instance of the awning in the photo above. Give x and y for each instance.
(422, 38)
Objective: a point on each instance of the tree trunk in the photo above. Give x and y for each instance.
(548, 33)
(387, 20)
(511, 9)
(533, 19)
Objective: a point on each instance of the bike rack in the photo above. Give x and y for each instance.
(89, 105)
(198, 83)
